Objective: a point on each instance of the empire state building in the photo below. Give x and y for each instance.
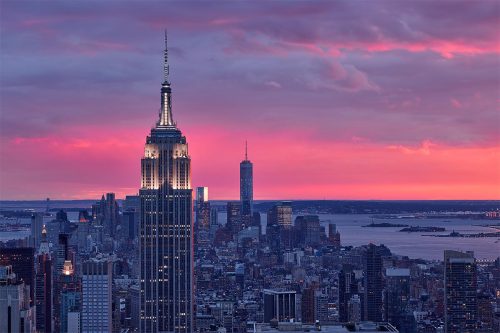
(166, 224)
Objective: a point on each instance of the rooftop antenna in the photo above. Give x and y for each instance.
(246, 150)
(165, 60)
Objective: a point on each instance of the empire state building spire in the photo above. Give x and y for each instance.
(165, 61)
(166, 119)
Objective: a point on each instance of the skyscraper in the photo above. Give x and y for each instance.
(36, 229)
(460, 289)
(348, 287)
(166, 224)
(202, 225)
(43, 286)
(16, 314)
(373, 284)
(22, 260)
(233, 210)
(397, 297)
(68, 296)
(281, 214)
(96, 296)
(246, 189)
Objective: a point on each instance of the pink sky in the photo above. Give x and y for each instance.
(388, 102)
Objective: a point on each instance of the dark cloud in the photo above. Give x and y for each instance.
(382, 71)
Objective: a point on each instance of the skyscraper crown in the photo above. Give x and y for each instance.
(166, 119)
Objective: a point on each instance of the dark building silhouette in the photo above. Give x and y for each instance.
(233, 222)
(460, 285)
(62, 216)
(69, 296)
(333, 235)
(203, 215)
(307, 304)
(348, 287)
(308, 230)
(485, 313)
(22, 260)
(279, 220)
(373, 283)
(202, 208)
(65, 284)
(106, 213)
(246, 190)
(397, 296)
(130, 224)
(166, 243)
(36, 230)
(273, 237)
(43, 286)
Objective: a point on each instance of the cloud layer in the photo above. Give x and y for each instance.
(337, 99)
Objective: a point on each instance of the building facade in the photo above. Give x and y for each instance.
(246, 190)
(16, 314)
(373, 284)
(460, 285)
(166, 242)
(348, 287)
(396, 297)
(22, 260)
(43, 286)
(97, 279)
(279, 305)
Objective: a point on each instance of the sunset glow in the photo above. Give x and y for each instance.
(404, 106)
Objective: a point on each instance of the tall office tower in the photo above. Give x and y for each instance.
(43, 286)
(202, 208)
(307, 300)
(111, 214)
(130, 224)
(97, 279)
(69, 297)
(348, 287)
(460, 288)
(62, 252)
(36, 230)
(333, 235)
(281, 214)
(64, 284)
(81, 234)
(16, 314)
(22, 260)
(397, 296)
(131, 216)
(279, 305)
(201, 194)
(309, 229)
(106, 213)
(246, 190)
(166, 242)
(234, 216)
(373, 284)
(273, 237)
(98, 210)
(279, 218)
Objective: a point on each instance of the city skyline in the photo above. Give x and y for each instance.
(334, 110)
